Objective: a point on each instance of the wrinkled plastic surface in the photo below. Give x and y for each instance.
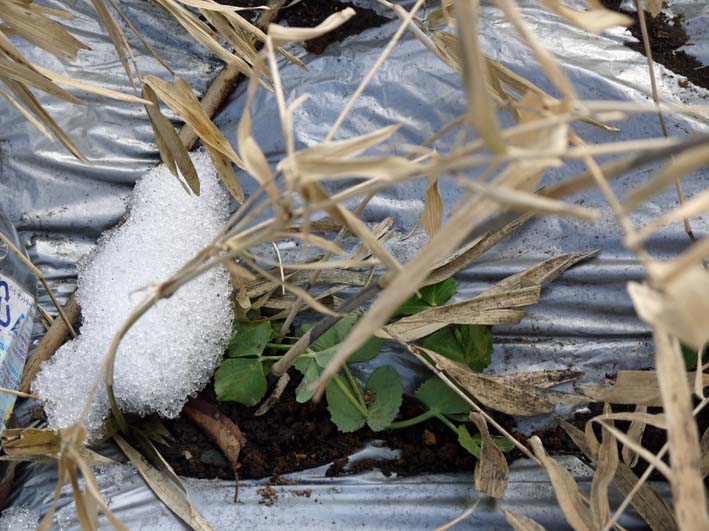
(585, 319)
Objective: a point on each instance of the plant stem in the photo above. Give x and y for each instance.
(278, 346)
(412, 421)
(355, 386)
(445, 421)
(348, 393)
(306, 356)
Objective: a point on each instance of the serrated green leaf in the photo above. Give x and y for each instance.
(437, 396)
(433, 295)
(470, 442)
(467, 344)
(343, 413)
(240, 380)
(336, 334)
(249, 339)
(383, 395)
(311, 372)
(365, 353)
(503, 443)
(438, 294)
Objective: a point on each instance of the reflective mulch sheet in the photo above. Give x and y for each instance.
(584, 321)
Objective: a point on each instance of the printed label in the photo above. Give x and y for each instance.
(16, 317)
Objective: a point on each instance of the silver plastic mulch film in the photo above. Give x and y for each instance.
(585, 319)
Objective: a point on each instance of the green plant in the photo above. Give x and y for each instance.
(691, 356)
(241, 376)
(467, 344)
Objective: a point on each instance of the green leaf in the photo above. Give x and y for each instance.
(467, 344)
(383, 395)
(365, 353)
(343, 413)
(437, 396)
(240, 380)
(690, 357)
(311, 372)
(433, 295)
(438, 294)
(503, 443)
(336, 334)
(469, 442)
(249, 339)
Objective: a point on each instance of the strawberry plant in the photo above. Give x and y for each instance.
(248, 357)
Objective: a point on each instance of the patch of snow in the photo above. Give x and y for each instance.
(19, 519)
(173, 350)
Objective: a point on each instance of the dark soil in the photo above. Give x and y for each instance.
(293, 436)
(666, 36)
(310, 13)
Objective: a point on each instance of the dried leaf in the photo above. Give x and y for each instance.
(432, 217)
(316, 170)
(116, 35)
(519, 522)
(473, 250)
(315, 192)
(680, 165)
(88, 87)
(566, 490)
(492, 473)
(180, 98)
(543, 379)
(282, 35)
(647, 502)
(631, 387)
(28, 115)
(697, 205)
(704, 467)
(686, 480)
(34, 444)
(220, 429)
(646, 454)
(544, 56)
(542, 273)
(514, 400)
(41, 31)
(481, 109)
(172, 151)
(606, 465)
(350, 147)
(483, 309)
(531, 202)
(635, 432)
(172, 495)
(492, 307)
(226, 174)
(382, 231)
(654, 7)
(682, 306)
(595, 19)
(33, 105)
(255, 161)
(24, 74)
(200, 31)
